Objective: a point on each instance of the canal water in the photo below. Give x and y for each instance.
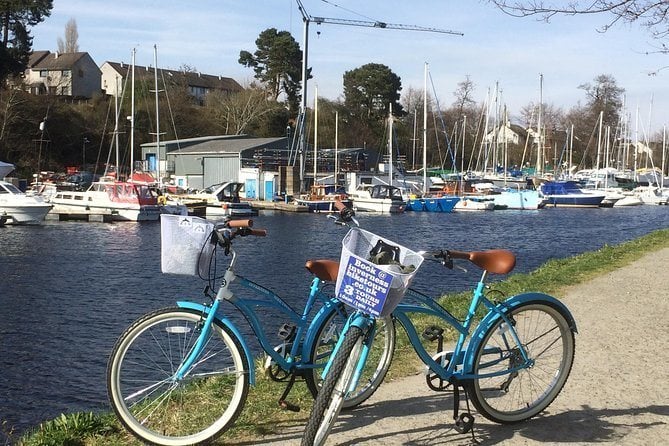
(69, 289)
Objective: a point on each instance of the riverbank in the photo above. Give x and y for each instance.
(617, 391)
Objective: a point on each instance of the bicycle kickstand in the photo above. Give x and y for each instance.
(464, 422)
(282, 401)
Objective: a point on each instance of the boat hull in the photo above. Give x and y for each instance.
(436, 204)
(27, 214)
(384, 206)
(574, 200)
(321, 205)
(521, 199)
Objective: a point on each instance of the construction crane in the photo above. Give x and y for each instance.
(307, 18)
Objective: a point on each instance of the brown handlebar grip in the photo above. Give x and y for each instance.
(259, 232)
(458, 254)
(240, 223)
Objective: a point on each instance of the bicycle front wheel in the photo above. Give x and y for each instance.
(546, 336)
(331, 396)
(155, 405)
(377, 364)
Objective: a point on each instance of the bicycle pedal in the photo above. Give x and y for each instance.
(287, 332)
(432, 333)
(288, 406)
(464, 423)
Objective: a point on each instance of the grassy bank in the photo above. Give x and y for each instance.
(262, 415)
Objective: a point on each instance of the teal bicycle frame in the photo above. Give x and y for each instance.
(305, 334)
(461, 360)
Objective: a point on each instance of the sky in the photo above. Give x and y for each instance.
(497, 52)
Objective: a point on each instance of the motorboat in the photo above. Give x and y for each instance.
(222, 199)
(322, 198)
(122, 201)
(19, 208)
(569, 194)
(382, 198)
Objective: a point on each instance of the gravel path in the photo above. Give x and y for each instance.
(617, 393)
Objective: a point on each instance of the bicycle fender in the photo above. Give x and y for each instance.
(328, 308)
(228, 323)
(510, 303)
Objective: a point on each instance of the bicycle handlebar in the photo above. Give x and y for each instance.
(497, 261)
(229, 229)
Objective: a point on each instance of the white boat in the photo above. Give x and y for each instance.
(221, 200)
(19, 208)
(121, 200)
(651, 195)
(628, 200)
(382, 198)
(475, 203)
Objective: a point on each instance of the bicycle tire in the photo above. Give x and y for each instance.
(375, 370)
(330, 398)
(549, 341)
(159, 409)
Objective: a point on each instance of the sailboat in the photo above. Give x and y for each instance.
(121, 200)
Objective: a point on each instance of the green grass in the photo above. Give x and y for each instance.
(262, 415)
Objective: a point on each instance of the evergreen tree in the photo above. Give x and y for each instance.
(16, 18)
(277, 64)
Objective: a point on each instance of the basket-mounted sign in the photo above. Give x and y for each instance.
(374, 273)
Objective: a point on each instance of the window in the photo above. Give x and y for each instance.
(81, 73)
(43, 73)
(66, 73)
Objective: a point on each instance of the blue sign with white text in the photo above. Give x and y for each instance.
(364, 286)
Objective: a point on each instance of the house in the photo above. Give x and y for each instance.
(68, 74)
(507, 134)
(199, 85)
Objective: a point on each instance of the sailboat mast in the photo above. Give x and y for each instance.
(425, 132)
(116, 127)
(132, 114)
(315, 131)
(539, 168)
(336, 180)
(155, 83)
(390, 144)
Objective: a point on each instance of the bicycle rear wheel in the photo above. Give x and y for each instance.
(376, 367)
(549, 342)
(331, 396)
(157, 407)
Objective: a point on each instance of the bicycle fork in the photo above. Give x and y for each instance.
(368, 326)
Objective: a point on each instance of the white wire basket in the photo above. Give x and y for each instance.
(374, 288)
(185, 246)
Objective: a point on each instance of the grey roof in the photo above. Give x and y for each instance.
(192, 79)
(228, 145)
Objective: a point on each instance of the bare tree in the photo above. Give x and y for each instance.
(234, 113)
(651, 14)
(71, 42)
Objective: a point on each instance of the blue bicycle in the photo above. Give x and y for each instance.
(511, 364)
(181, 375)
